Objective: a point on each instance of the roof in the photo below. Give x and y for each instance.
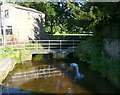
(24, 8)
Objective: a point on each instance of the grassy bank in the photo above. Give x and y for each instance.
(18, 52)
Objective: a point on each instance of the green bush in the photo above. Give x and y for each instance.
(17, 55)
(5, 52)
(32, 46)
(94, 54)
(20, 55)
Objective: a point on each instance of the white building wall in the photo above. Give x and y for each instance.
(22, 22)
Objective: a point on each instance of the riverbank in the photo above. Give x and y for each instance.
(6, 66)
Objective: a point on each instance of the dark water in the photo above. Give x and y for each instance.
(91, 83)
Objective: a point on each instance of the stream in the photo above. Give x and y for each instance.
(56, 80)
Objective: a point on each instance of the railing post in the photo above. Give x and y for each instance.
(37, 45)
(73, 45)
(49, 46)
(24, 44)
(60, 45)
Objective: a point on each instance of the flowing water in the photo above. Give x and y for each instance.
(54, 81)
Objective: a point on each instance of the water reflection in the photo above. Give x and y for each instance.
(8, 90)
(41, 71)
(48, 77)
(51, 78)
(56, 84)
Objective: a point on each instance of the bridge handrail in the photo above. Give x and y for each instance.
(14, 42)
(54, 40)
(45, 44)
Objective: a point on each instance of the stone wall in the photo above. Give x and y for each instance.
(6, 66)
(111, 36)
(112, 48)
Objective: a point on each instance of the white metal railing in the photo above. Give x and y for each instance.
(43, 44)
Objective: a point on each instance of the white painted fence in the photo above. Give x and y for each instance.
(44, 44)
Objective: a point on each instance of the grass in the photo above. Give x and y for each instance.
(18, 52)
(84, 34)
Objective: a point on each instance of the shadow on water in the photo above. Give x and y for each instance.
(91, 83)
(92, 80)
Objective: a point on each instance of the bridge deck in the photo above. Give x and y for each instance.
(46, 51)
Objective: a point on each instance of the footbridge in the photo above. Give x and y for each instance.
(42, 47)
(52, 46)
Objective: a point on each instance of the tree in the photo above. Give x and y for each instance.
(58, 16)
(92, 14)
(45, 8)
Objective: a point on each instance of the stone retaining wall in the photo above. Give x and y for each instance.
(112, 48)
(6, 66)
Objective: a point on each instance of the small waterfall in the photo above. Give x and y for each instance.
(78, 75)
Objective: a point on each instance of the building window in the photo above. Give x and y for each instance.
(6, 13)
(8, 30)
(1, 29)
